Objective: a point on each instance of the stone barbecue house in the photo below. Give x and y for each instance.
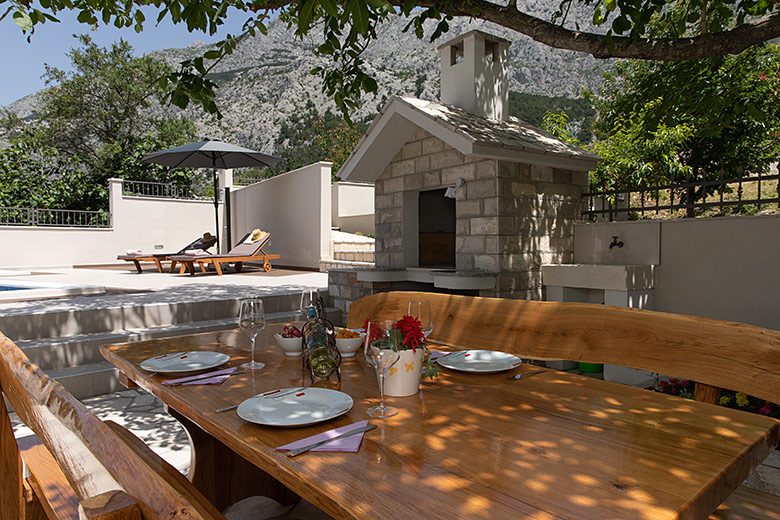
(467, 199)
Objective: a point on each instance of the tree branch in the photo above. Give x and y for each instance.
(733, 41)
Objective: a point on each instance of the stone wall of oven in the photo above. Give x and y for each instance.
(510, 217)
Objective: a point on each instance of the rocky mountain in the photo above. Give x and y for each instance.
(267, 80)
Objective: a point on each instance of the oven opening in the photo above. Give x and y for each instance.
(436, 214)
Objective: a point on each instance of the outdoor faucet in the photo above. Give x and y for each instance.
(615, 242)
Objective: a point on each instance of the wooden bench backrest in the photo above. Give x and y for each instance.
(711, 352)
(95, 458)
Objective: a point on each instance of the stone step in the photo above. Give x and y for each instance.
(88, 380)
(353, 246)
(90, 375)
(354, 256)
(55, 353)
(339, 264)
(103, 314)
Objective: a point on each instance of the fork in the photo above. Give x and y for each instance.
(283, 394)
(520, 375)
(272, 395)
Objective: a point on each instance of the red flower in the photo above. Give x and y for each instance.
(765, 410)
(412, 332)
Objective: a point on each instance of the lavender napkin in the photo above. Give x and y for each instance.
(209, 378)
(351, 443)
(437, 354)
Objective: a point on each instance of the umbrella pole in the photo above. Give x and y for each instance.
(216, 204)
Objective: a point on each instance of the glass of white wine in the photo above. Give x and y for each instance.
(252, 321)
(381, 355)
(422, 311)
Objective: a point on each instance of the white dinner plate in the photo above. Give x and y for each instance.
(295, 407)
(480, 361)
(176, 362)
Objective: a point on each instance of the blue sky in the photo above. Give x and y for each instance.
(23, 62)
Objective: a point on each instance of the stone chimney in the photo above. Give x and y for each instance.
(474, 74)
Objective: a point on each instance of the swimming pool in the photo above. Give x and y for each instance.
(14, 289)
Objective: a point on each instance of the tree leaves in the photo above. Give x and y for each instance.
(667, 121)
(22, 19)
(93, 122)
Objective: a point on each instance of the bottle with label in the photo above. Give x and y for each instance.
(321, 358)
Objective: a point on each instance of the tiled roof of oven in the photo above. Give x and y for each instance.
(511, 134)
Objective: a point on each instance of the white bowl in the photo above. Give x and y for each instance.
(292, 347)
(348, 346)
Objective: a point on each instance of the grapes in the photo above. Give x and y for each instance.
(291, 332)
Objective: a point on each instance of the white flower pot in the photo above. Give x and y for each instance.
(403, 378)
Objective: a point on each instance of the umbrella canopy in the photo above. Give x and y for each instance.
(211, 154)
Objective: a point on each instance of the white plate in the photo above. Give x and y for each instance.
(480, 361)
(176, 362)
(298, 408)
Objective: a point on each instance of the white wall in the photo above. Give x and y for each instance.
(151, 224)
(295, 208)
(726, 268)
(352, 207)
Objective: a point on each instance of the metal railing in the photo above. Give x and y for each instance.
(705, 198)
(246, 180)
(54, 217)
(164, 190)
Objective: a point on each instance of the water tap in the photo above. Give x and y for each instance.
(615, 242)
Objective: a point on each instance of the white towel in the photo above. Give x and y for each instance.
(194, 252)
(134, 252)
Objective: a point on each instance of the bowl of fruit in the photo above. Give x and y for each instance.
(290, 340)
(348, 341)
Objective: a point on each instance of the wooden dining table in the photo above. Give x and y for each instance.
(549, 445)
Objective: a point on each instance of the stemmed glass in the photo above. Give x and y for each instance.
(308, 300)
(422, 311)
(252, 321)
(380, 355)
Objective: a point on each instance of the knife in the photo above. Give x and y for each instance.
(298, 451)
(203, 376)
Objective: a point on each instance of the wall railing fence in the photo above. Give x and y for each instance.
(54, 217)
(167, 190)
(700, 198)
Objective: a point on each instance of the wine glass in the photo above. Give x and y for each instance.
(252, 321)
(381, 355)
(422, 311)
(308, 301)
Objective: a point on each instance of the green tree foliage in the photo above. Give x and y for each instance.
(533, 108)
(348, 27)
(33, 175)
(695, 119)
(308, 137)
(93, 124)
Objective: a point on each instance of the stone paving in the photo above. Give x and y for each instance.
(142, 414)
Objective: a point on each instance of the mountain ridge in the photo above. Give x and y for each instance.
(267, 79)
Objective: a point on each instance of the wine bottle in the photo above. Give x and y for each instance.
(321, 358)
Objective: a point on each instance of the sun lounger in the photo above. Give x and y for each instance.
(203, 243)
(247, 250)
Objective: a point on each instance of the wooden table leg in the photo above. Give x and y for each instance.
(224, 477)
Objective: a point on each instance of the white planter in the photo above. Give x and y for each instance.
(403, 379)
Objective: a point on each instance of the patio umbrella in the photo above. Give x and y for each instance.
(211, 153)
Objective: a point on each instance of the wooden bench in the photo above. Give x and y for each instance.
(715, 354)
(82, 467)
